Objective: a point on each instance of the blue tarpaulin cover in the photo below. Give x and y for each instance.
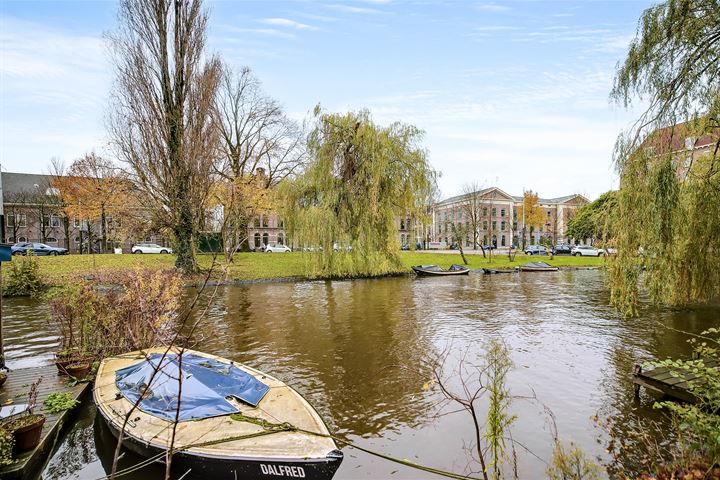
(206, 383)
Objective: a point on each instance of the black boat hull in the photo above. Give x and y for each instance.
(237, 468)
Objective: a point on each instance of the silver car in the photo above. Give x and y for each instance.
(150, 248)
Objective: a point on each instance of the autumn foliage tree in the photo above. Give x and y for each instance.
(531, 213)
(259, 147)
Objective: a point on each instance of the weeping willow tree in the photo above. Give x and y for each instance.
(668, 219)
(361, 178)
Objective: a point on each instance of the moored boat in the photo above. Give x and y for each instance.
(537, 267)
(232, 422)
(434, 270)
(490, 271)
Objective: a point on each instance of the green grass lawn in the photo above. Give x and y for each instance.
(255, 266)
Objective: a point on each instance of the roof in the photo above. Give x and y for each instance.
(483, 192)
(18, 183)
(674, 137)
(518, 199)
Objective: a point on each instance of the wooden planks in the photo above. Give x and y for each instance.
(15, 391)
(671, 382)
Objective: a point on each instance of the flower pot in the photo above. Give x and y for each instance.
(27, 430)
(78, 370)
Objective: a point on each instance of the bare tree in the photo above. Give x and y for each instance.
(471, 206)
(16, 205)
(260, 146)
(161, 122)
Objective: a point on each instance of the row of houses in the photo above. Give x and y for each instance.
(32, 215)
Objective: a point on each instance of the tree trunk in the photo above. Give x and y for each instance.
(184, 237)
(103, 230)
(66, 231)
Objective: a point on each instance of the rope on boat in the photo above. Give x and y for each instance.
(270, 428)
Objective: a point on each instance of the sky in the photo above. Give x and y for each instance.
(509, 94)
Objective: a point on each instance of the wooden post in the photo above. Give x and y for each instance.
(637, 371)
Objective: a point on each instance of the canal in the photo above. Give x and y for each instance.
(361, 352)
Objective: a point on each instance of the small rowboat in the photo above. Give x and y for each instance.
(490, 271)
(537, 267)
(233, 421)
(434, 270)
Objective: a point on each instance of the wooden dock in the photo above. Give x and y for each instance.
(671, 382)
(15, 391)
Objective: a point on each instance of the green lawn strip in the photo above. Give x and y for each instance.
(259, 266)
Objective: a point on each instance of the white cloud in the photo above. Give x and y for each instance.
(492, 7)
(286, 22)
(353, 9)
(55, 87)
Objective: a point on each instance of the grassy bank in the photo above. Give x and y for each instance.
(255, 266)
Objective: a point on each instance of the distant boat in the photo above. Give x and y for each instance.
(490, 271)
(234, 421)
(537, 267)
(430, 270)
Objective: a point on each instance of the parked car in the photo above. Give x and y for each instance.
(23, 248)
(562, 249)
(587, 251)
(536, 250)
(489, 247)
(405, 247)
(274, 247)
(150, 248)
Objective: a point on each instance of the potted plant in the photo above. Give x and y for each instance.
(78, 370)
(26, 427)
(66, 357)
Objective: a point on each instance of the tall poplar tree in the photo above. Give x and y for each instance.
(162, 120)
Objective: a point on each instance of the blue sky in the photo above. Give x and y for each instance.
(512, 94)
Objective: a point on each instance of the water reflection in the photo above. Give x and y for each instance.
(357, 350)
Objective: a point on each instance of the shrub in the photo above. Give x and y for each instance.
(131, 310)
(24, 277)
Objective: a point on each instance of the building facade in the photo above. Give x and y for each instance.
(500, 221)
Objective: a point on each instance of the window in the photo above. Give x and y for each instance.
(51, 240)
(402, 239)
(502, 240)
(484, 211)
(494, 212)
(265, 223)
(256, 223)
(484, 224)
(76, 222)
(281, 239)
(494, 240)
(54, 221)
(502, 212)
(549, 213)
(10, 220)
(514, 225)
(20, 220)
(402, 224)
(502, 225)
(265, 238)
(281, 223)
(689, 143)
(257, 240)
(484, 239)
(494, 225)
(22, 239)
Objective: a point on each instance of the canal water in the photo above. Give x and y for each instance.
(362, 352)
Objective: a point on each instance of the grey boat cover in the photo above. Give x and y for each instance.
(205, 385)
(537, 265)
